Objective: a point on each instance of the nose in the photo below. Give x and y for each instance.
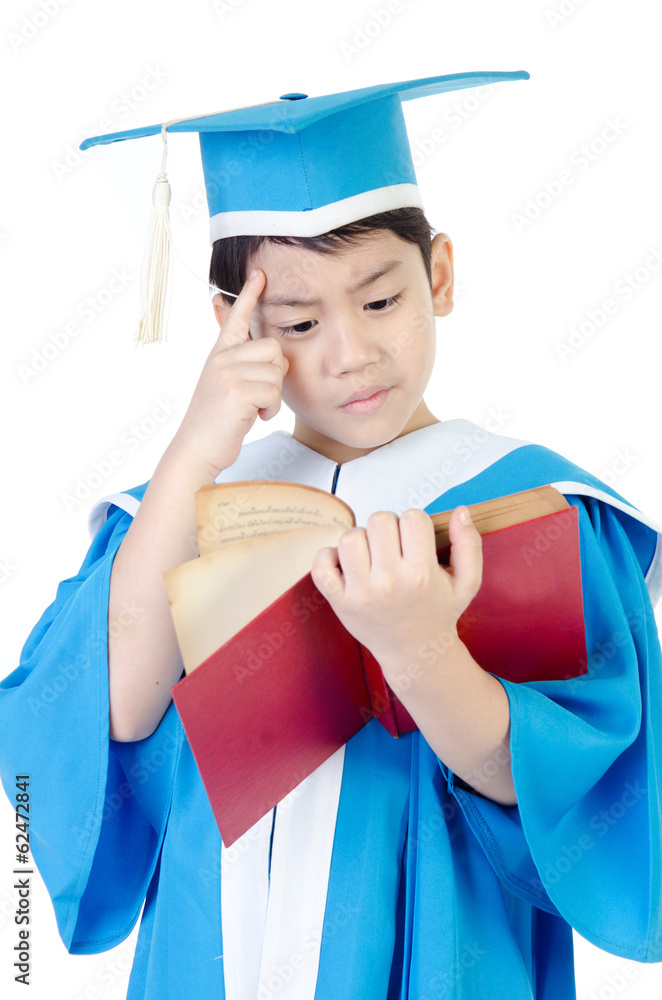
(350, 348)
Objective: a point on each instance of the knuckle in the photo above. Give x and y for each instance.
(272, 347)
(328, 582)
(223, 378)
(415, 514)
(233, 336)
(419, 577)
(387, 588)
(416, 519)
(380, 518)
(217, 360)
(350, 538)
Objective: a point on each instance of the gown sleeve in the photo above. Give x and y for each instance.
(585, 837)
(98, 807)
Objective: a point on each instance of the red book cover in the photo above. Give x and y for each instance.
(277, 700)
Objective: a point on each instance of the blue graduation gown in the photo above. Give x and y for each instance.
(433, 891)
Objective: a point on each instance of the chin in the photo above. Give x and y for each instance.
(372, 437)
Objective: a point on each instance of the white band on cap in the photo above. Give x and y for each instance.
(316, 220)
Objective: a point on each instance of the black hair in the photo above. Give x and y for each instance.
(230, 256)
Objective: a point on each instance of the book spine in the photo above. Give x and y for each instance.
(380, 693)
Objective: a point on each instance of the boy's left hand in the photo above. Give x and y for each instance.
(387, 588)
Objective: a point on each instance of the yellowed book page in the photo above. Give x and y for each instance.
(232, 513)
(502, 512)
(214, 597)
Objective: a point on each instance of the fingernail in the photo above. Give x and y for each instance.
(252, 275)
(465, 516)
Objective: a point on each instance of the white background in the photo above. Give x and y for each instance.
(68, 221)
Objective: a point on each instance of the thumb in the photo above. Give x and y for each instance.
(326, 573)
(466, 564)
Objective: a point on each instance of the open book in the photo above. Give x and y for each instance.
(275, 684)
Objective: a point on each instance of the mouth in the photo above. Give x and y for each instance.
(366, 401)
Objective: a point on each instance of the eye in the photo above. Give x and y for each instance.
(294, 331)
(301, 329)
(384, 303)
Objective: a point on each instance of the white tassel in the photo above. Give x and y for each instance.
(157, 263)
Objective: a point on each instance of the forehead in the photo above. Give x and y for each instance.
(301, 267)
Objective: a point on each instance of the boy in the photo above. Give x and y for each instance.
(450, 862)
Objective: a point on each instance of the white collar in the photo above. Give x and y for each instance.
(409, 471)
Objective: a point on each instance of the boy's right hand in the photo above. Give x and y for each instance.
(241, 380)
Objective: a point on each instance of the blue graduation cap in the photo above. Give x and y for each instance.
(297, 166)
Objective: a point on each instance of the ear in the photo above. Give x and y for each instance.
(222, 311)
(221, 308)
(443, 276)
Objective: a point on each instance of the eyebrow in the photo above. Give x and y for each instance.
(285, 300)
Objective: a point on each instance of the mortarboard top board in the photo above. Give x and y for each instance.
(296, 166)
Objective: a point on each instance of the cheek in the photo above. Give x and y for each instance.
(412, 336)
(416, 354)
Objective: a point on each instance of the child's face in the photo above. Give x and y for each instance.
(359, 358)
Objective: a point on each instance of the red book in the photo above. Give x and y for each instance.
(290, 688)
